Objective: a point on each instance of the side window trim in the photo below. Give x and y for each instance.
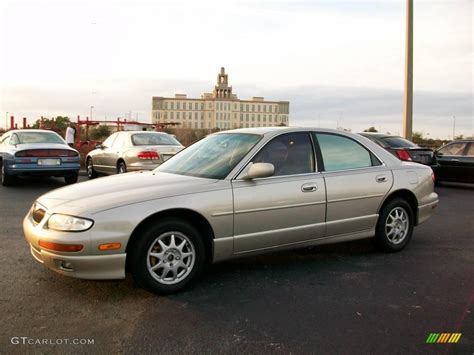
(371, 155)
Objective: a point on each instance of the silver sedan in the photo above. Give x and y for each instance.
(232, 194)
(131, 151)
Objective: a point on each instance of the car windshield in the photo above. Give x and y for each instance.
(39, 137)
(153, 139)
(212, 157)
(398, 142)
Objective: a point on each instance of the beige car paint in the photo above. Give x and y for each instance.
(246, 216)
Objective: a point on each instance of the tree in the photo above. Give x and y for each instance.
(371, 129)
(417, 138)
(100, 132)
(60, 122)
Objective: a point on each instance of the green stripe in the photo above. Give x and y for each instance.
(432, 338)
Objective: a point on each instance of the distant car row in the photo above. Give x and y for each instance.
(45, 153)
(453, 162)
(35, 152)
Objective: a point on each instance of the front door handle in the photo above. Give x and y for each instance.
(309, 187)
(455, 160)
(381, 178)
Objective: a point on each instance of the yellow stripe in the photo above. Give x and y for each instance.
(452, 337)
(458, 336)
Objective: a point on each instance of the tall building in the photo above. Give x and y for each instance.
(220, 109)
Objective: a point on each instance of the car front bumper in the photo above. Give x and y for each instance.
(74, 264)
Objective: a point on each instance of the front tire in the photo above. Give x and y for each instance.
(6, 179)
(91, 173)
(168, 256)
(395, 226)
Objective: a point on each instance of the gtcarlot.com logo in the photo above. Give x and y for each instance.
(49, 341)
(443, 338)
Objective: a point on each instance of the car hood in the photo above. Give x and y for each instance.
(87, 198)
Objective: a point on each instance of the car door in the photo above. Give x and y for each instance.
(98, 158)
(452, 164)
(112, 153)
(356, 183)
(286, 208)
(468, 161)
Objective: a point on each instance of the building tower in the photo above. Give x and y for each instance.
(222, 89)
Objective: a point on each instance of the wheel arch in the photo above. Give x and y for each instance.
(406, 195)
(188, 215)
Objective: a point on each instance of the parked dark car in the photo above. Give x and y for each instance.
(404, 149)
(36, 152)
(456, 161)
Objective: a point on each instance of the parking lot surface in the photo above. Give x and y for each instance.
(342, 298)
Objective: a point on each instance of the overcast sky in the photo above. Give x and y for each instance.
(337, 62)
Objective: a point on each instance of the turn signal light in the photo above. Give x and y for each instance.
(403, 155)
(110, 246)
(60, 247)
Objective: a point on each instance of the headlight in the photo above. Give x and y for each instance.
(62, 222)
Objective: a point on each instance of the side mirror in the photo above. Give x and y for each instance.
(259, 170)
(438, 154)
(99, 146)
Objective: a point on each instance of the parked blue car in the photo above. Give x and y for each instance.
(37, 152)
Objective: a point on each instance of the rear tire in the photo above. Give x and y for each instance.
(121, 167)
(395, 226)
(6, 179)
(91, 173)
(168, 256)
(71, 179)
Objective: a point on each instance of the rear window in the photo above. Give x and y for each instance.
(153, 139)
(38, 137)
(397, 142)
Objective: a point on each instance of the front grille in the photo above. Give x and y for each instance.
(38, 215)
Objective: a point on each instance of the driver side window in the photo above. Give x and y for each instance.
(290, 154)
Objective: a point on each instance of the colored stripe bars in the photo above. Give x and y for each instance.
(450, 338)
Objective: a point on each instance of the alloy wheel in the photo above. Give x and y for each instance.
(397, 225)
(170, 258)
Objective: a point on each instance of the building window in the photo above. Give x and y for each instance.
(172, 115)
(241, 107)
(202, 106)
(195, 115)
(264, 118)
(178, 105)
(270, 107)
(166, 115)
(209, 115)
(253, 108)
(247, 108)
(253, 118)
(247, 117)
(177, 115)
(235, 107)
(241, 116)
(258, 109)
(264, 108)
(172, 105)
(210, 105)
(258, 117)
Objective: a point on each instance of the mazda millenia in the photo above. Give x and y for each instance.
(232, 194)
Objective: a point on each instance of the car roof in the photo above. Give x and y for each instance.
(278, 129)
(377, 135)
(133, 132)
(29, 130)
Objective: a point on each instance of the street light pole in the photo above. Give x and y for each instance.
(408, 95)
(454, 125)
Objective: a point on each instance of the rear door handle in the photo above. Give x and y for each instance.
(309, 187)
(456, 160)
(381, 178)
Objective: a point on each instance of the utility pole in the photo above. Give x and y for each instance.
(408, 96)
